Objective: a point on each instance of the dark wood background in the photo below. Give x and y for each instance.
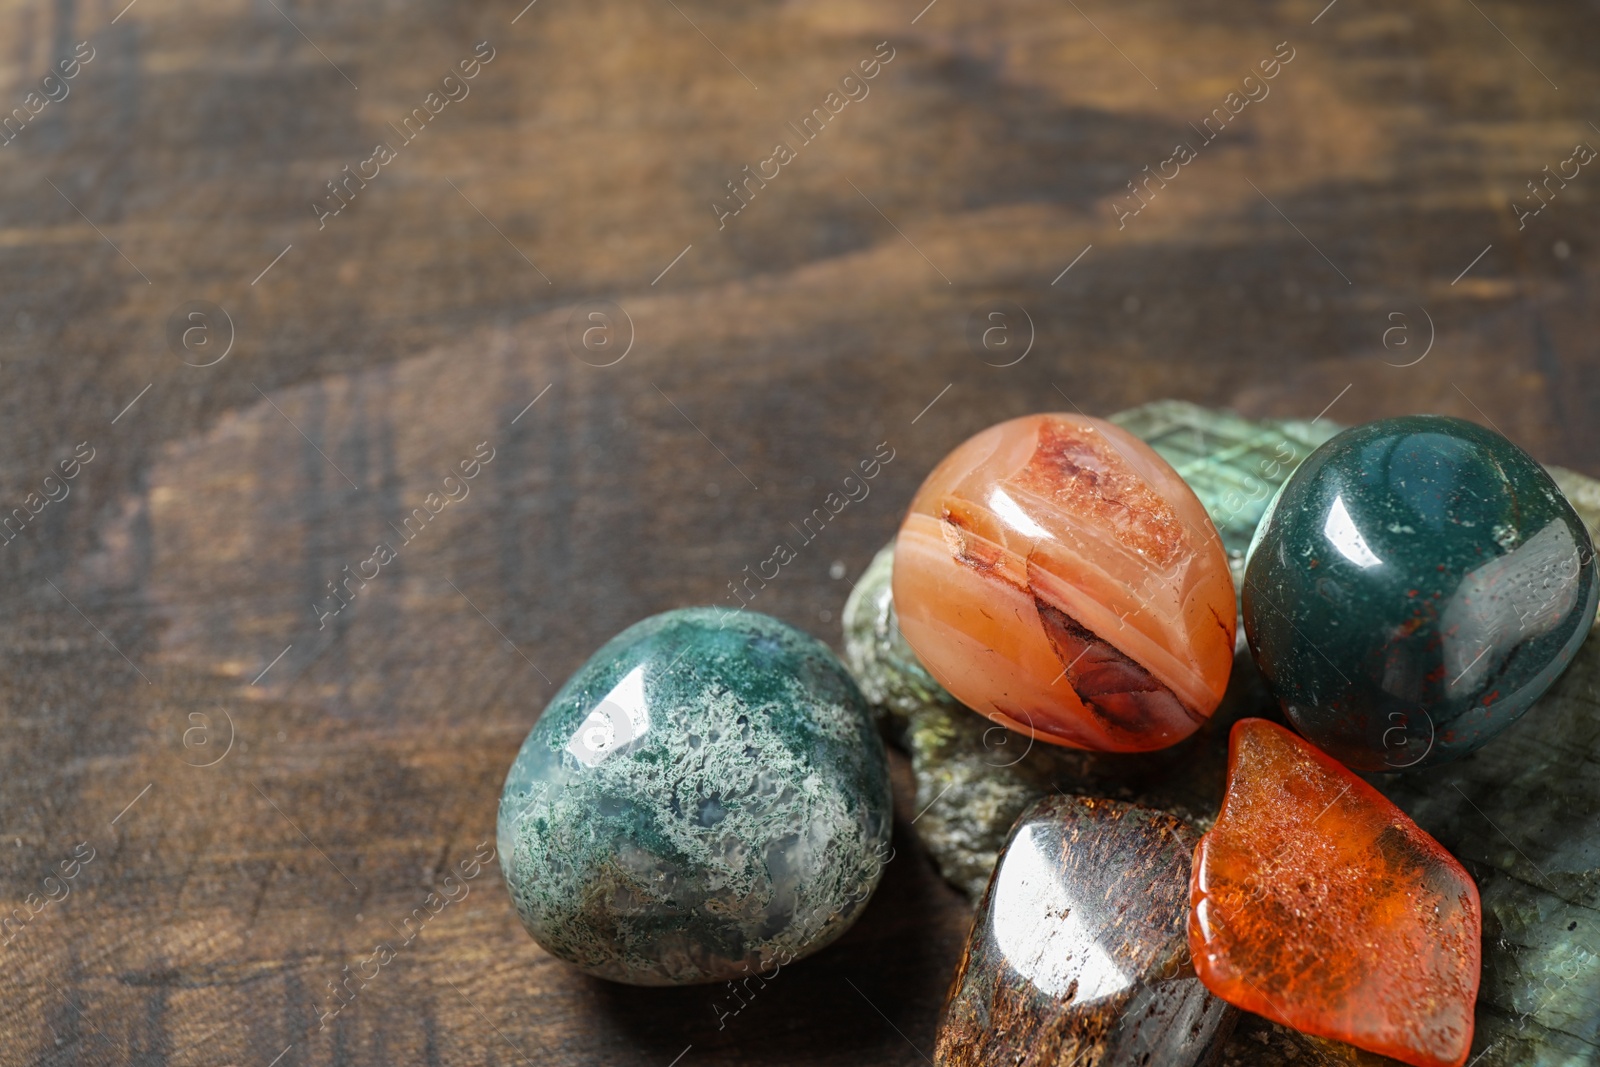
(141, 611)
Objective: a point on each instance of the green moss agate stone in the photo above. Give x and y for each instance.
(1414, 588)
(705, 798)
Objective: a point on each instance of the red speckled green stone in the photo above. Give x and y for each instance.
(1413, 589)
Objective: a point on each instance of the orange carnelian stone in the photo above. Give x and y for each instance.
(1057, 576)
(1320, 905)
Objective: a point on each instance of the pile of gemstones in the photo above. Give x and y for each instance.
(1054, 637)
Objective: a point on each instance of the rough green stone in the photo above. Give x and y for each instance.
(1414, 588)
(704, 799)
(1234, 465)
(972, 785)
(889, 673)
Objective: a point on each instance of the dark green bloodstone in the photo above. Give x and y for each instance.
(706, 798)
(1413, 588)
(1078, 956)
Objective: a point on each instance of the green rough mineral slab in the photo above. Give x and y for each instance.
(1522, 814)
(1234, 465)
(890, 676)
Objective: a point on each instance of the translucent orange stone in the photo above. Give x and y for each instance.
(1318, 904)
(1055, 574)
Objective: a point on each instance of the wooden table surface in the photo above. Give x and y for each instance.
(268, 788)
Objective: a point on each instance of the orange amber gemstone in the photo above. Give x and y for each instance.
(1057, 576)
(1320, 905)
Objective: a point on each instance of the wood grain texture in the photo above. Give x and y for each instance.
(830, 315)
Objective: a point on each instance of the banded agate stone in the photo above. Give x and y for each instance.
(1056, 575)
(706, 798)
(1078, 955)
(1320, 905)
(1416, 585)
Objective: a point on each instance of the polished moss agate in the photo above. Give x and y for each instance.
(704, 799)
(1414, 588)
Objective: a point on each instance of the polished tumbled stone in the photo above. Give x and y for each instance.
(1414, 588)
(1540, 887)
(974, 778)
(1078, 954)
(1056, 575)
(1320, 905)
(706, 797)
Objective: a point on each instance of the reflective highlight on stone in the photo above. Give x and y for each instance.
(1414, 588)
(1539, 782)
(1078, 953)
(705, 798)
(1320, 905)
(1055, 574)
